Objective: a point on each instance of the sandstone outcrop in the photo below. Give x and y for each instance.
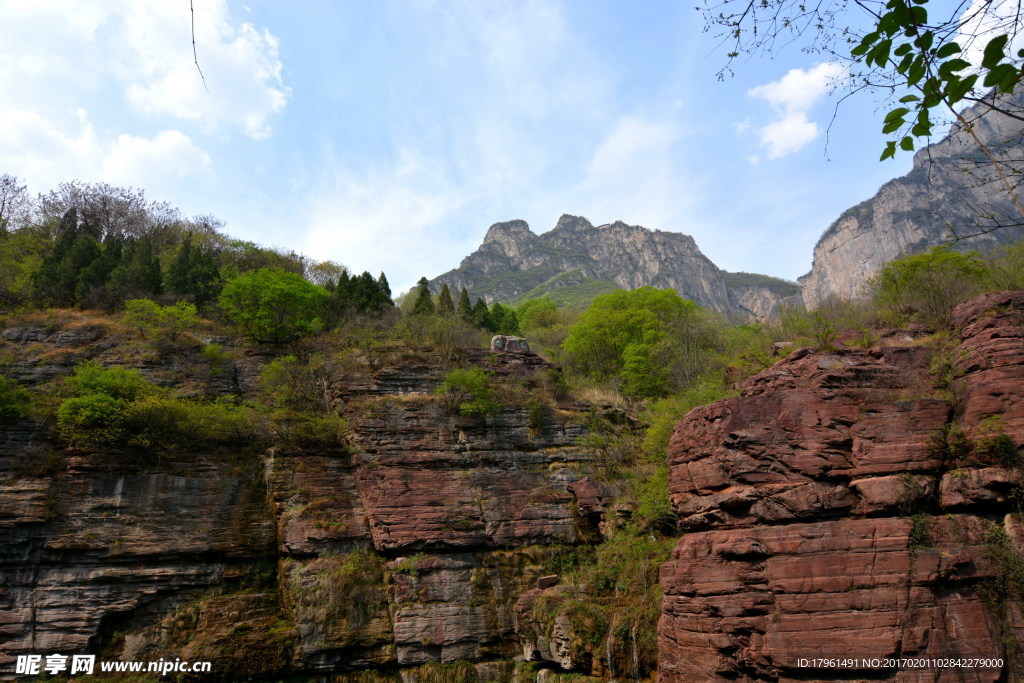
(406, 550)
(837, 511)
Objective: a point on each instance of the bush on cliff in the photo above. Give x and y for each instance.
(118, 407)
(469, 392)
(153, 320)
(274, 305)
(926, 287)
(14, 401)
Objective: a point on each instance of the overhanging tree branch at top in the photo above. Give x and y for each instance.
(922, 64)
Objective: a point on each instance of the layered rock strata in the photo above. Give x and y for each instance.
(404, 551)
(845, 521)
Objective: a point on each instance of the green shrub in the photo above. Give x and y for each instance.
(116, 382)
(92, 421)
(653, 507)
(993, 445)
(926, 287)
(305, 430)
(14, 401)
(152, 319)
(274, 305)
(664, 414)
(469, 392)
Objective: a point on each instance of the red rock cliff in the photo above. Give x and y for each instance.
(837, 509)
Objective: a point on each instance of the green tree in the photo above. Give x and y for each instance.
(503, 319)
(537, 313)
(465, 309)
(14, 401)
(424, 303)
(469, 392)
(618, 334)
(926, 287)
(481, 315)
(445, 304)
(274, 305)
(152, 319)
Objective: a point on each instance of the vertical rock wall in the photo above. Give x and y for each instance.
(841, 513)
(405, 551)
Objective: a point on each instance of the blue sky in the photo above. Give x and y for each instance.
(388, 136)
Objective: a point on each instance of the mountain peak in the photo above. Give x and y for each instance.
(517, 230)
(569, 222)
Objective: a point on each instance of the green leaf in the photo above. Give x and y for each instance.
(880, 53)
(947, 50)
(909, 98)
(890, 151)
(905, 64)
(892, 126)
(925, 40)
(920, 15)
(902, 49)
(859, 50)
(956, 91)
(994, 51)
(907, 144)
(949, 68)
(916, 71)
(897, 113)
(1002, 74)
(888, 24)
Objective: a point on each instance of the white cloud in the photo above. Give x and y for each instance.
(634, 176)
(240, 65)
(144, 162)
(788, 135)
(390, 221)
(791, 97)
(46, 152)
(144, 50)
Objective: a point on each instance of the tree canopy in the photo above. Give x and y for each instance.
(274, 305)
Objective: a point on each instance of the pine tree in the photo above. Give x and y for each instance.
(481, 316)
(180, 272)
(465, 308)
(424, 304)
(47, 279)
(445, 305)
(503, 320)
(384, 291)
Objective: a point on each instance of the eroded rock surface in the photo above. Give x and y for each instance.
(404, 551)
(831, 514)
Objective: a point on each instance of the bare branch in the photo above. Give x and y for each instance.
(194, 56)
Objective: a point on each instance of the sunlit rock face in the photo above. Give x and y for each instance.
(953, 190)
(512, 261)
(408, 548)
(833, 511)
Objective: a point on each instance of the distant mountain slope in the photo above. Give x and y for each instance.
(571, 289)
(513, 264)
(950, 186)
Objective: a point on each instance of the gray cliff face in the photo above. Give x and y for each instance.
(512, 261)
(922, 209)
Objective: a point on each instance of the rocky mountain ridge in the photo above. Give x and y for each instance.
(952, 190)
(512, 261)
